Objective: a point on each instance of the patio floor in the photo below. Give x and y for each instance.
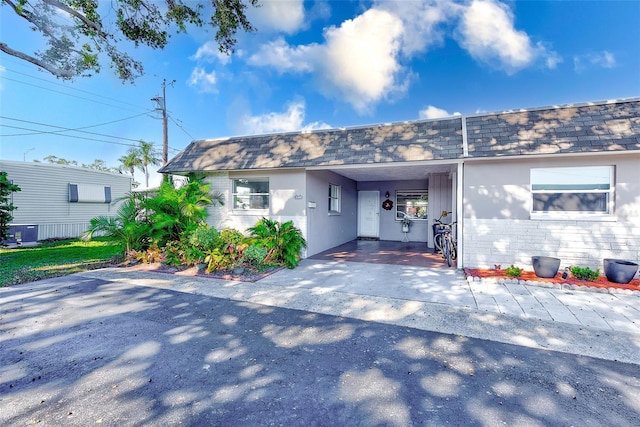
(415, 254)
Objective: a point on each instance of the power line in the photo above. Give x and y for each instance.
(181, 128)
(64, 93)
(66, 129)
(75, 136)
(70, 87)
(81, 137)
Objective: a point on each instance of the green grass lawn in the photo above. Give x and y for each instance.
(53, 259)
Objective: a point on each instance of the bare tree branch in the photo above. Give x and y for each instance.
(64, 74)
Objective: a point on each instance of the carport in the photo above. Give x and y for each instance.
(415, 254)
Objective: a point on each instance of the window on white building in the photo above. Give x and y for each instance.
(412, 204)
(251, 193)
(585, 190)
(334, 198)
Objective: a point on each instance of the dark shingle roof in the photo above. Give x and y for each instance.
(562, 130)
(604, 127)
(399, 142)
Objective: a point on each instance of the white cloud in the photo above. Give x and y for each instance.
(487, 32)
(346, 65)
(209, 52)
(432, 112)
(284, 58)
(360, 60)
(423, 21)
(603, 59)
(285, 16)
(203, 81)
(290, 120)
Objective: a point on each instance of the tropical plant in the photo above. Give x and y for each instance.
(130, 162)
(282, 241)
(216, 259)
(233, 243)
(253, 256)
(173, 212)
(147, 155)
(6, 207)
(204, 237)
(126, 227)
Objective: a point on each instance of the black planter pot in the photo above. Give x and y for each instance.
(619, 271)
(545, 266)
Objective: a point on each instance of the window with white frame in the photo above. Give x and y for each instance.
(334, 198)
(583, 190)
(251, 193)
(412, 204)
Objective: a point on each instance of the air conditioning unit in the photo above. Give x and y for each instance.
(22, 233)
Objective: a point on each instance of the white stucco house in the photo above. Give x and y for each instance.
(58, 201)
(559, 181)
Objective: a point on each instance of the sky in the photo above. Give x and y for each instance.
(325, 64)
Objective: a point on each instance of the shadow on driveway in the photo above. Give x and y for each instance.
(80, 351)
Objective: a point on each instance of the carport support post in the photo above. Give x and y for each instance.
(459, 214)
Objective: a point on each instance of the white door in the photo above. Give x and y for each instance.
(369, 214)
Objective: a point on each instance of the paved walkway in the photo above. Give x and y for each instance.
(588, 323)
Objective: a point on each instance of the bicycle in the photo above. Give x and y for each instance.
(443, 241)
(437, 237)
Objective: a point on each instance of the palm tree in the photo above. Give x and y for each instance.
(125, 227)
(148, 155)
(131, 161)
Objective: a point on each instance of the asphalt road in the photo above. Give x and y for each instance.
(83, 352)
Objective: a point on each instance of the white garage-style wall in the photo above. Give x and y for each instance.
(499, 227)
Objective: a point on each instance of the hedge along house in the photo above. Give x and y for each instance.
(58, 201)
(559, 181)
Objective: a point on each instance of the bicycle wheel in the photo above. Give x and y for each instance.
(447, 250)
(437, 243)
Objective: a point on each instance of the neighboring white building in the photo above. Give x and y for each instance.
(58, 201)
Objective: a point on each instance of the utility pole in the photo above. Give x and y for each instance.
(162, 106)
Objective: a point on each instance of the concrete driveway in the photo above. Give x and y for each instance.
(122, 348)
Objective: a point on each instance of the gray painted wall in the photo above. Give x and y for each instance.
(326, 230)
(440, 199)
(390, 228)
(44, 199)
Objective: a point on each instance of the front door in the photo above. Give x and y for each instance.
(369, 214)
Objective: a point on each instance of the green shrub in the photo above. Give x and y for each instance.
(282, 241)
(513, 271)
(253, 256)
(175, 253)
(216, 259)
(204, 237)
(231, 236)
(584, 273)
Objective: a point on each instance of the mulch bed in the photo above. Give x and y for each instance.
(247, 276)
(601, 282)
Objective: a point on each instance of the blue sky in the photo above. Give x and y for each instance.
(317, 64)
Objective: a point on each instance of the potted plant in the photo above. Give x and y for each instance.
(406, 222)
(619, 271)
(545, 266)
